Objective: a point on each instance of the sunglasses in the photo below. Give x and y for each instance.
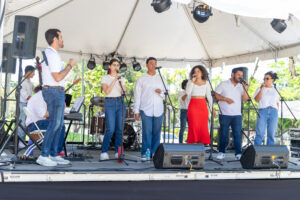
(267, 78)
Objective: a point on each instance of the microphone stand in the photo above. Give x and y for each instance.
(167, 96)
(281, 113)
(211, 150)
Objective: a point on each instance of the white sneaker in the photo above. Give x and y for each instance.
(104, 156)
(45, 161)
(221, 156)
(59, 160)
(238, 156)
(116, 155)
(143, 158)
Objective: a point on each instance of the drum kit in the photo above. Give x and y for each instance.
(132, 128)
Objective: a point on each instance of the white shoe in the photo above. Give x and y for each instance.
(45, 161)
(221, 156)
(238, 156)
(116, 155)
(104, 156)
(143, 158)
(21, 145)
(59, 160)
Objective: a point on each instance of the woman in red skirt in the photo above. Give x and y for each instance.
(199, 90)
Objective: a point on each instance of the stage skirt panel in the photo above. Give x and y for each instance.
(198, 122)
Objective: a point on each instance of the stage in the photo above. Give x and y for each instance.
(86, 167)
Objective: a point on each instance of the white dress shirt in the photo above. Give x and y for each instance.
(228, 90)
(145, 97)
(269, 97)
(55, 64)
(199, 90)
(26, 90)
(116, 90)
(37, 108)
(183, 104)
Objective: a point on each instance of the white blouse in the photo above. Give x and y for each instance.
(116, 90)
(269, 98)
(199, 90)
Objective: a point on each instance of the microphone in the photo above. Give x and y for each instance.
(119, 76)
(158, 67)
(243, 81)
(45, 57)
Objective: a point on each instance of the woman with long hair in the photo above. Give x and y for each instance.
(198, 89)
(112, 85)
(268, 103)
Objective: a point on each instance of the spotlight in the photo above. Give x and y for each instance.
(136, 66)
(91, 63)
(123, 66)
(278, 25)
(105, 64)
(161, 5)
(201, 13)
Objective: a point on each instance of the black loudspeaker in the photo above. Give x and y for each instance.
(179, 156)
(8, 62)
(265, 157)
(25, 37)
(245, 73)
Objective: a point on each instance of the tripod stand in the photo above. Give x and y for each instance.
(17, 121)
(281, 113)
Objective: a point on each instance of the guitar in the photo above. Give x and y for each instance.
(74, 83)
(39, 68)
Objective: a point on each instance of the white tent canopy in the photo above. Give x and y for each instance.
(133, 29)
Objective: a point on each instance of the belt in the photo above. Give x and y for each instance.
(120, 97)
(57, 87)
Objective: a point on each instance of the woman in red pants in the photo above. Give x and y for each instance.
(199, 90)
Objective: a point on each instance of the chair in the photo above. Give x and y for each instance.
(37, 135)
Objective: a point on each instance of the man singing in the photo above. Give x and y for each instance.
(148, 104)
(229, 94)
(53, 76)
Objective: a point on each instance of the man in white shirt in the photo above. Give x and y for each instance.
(25, 94)
(148, 104)
(229, 94)
(37, 108)
(53, 76)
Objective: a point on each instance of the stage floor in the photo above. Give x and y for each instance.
(90, 169)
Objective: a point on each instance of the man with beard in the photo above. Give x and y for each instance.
(229, 93)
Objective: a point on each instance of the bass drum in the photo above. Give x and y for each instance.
(129, 136)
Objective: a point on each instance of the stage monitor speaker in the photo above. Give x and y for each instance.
(265, 157)
(8, 62)
(25, 36)
(184, 156)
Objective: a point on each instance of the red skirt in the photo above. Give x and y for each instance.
(198, 122)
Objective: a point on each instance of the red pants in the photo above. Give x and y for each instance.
(198, 122)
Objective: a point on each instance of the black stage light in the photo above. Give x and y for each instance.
(136, 66)
(161, 5)
(201, 13)
(123, 66)
(91, 63)
(278, 25)
(105, 64)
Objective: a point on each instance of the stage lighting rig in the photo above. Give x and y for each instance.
(123, 66)
(202, 12)
(136, 66)
(91, 63)
(161, 5)
(105, 63)
(278, 25)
